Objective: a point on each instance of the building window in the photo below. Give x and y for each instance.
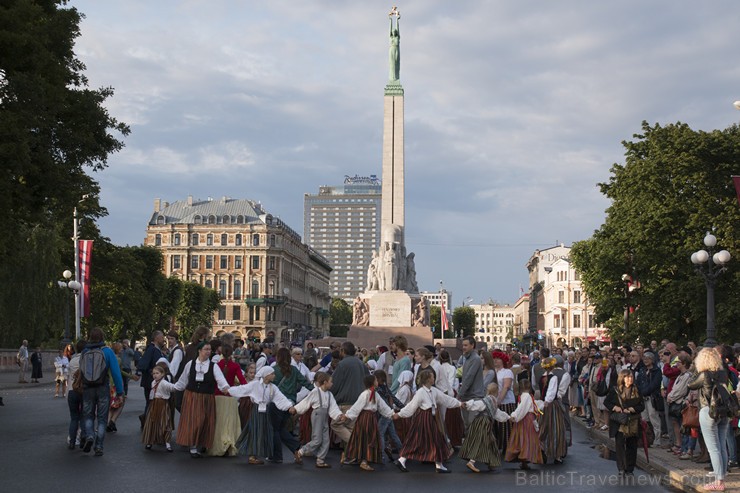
(222, 289)
(561, 296)
(591, 321)
(576, 321)
(209, 261)
(576, 296)
(255, 240)
(197, 220)
(157, 240)
(177, 239)
(175, 261)
(257, 312)
(238, 262)
(222, 312)
(195, 239)
(224, 239)
(209, 240)
(272, 263)
(237, 313)
(271, 288)
(255, 289)
(237, 290)
(238, 240)
(209, 284)
(272, 240)
(577, 276)
(255, 262)
(194, 261)
(556, 321)
(224, 262)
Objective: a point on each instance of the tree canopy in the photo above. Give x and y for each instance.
(674, 186)
(463, 318)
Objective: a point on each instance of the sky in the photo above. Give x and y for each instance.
(515, 111)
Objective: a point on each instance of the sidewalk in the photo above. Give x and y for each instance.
(685, 475)
(9, 381)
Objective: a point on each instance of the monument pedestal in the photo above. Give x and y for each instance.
(391, 314)
(368, 337)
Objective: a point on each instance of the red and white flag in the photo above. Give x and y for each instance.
(445, 325)
(736, 181)
(84, 260)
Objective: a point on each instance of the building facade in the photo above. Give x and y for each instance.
(437, 297)
(494, 324)
(343, 224)
(271, 285)
(560, 314)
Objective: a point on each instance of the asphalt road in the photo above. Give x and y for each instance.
(34, 457)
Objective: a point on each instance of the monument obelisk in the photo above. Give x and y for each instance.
(391, 303)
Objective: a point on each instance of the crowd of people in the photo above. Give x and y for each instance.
(399, 404)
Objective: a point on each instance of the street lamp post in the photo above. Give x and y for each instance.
(441, 307)
(710, 265)
(68, 286)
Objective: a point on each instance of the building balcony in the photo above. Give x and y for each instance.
(265, 300)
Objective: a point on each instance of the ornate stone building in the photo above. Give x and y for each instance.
(270, 283)
(494, 324)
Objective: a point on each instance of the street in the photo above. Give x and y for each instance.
(34, 457)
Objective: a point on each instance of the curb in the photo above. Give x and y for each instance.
(670, 477)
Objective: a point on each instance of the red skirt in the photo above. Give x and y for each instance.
(402, 427)
(305, 426)
(455, 426)
(364, 443)
(197, 420)
(425, 441)
(524, 442)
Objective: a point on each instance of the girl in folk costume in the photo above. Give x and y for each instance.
(426, 441)
(158, 424)
(256, 439)
(524, 442)
(199, 380)
(323, 406)
(364, 443)
(552, 426)
(385, 425)
(506, 400)
(245, 403)
(481, 444)
(228, 427)
(404, 394)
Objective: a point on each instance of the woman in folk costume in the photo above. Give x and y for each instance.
(227, 409)
(447, 383)
(426, 441)
(506, 399)
(289, 381)
(481, 444)
(320, 401)
(245, 403)
(552, 427)
(404, 394)
(524, 442)
(199, 380)
(256, 439)
(364, 443)
(158, 425)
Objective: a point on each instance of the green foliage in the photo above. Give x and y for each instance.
(435, 320)
(674, 187)
(463, 318)
(340, 313)
(195, 308)
(338, 330)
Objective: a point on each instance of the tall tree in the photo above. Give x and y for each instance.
(463, 318)
(340, 313)
(673, 187)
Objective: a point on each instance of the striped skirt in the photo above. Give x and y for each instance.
(402, 428)
(552, 432)
(503, 430)
(245, 410)
(256, 437)
(425, 441)
(197, 420)
(524, 442)
(364, 443)
(304, 427)
(158, 424)
(227, 428)
(455, 426)
(481, 444)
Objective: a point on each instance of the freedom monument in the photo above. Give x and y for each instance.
(391, 304)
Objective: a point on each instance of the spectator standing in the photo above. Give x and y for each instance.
(36, 365)
(22, 360)
(127, 358)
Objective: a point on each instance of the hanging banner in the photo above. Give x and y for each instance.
(85, 257)
(736, 181)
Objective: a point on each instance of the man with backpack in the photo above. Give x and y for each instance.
(98, 364)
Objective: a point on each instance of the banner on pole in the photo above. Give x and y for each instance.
(736, 181)
(85, 258)
(445, 324)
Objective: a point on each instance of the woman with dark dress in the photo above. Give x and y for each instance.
(624, 398)
(36, 366)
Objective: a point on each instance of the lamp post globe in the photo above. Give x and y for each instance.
(736, 104)
(67, 274)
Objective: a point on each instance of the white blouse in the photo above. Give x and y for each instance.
(262, 395)
(526, 406)
(404, 394)
(161, 390)
(428, 398)
(365, 404)
(319, 398)
(480, 406)
(446, 379)
(201, 368)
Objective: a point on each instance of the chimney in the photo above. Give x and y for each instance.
(190, 200)
(157, 203)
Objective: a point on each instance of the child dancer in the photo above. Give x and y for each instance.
(364, 443)
(256, 438)
(245, 403)
(323, 406)
(524, 442)
(158, 424)
(425, 441)
(385, 425)
(404, 394)
(481, 443)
